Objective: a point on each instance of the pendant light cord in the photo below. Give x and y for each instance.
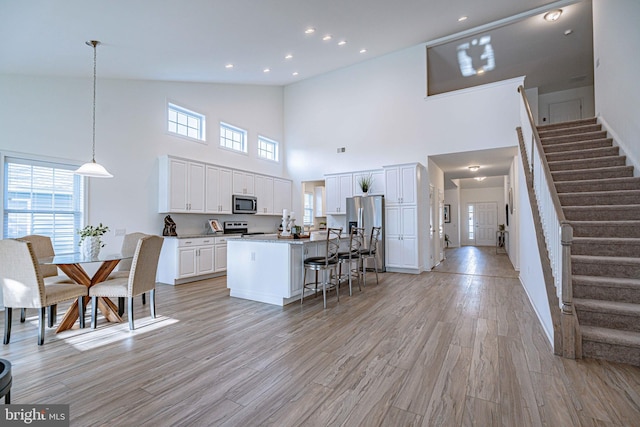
(93, 154)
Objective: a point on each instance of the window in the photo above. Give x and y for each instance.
(43, 198)
(233, 138)
(308, 209)
(471, 222)
(267, 149)
(184, 122)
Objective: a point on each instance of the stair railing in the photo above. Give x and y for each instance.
(558, 233)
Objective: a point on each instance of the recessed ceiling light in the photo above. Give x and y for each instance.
(363, 50)
(295, 73)
(327, 37)
(310, 30)
(474, 168)
(568, 32)
(288, 56)
(480, 178)
(480, 71)
(228, 66)
(553, 15)
(462, 18)
(266, 70)
(342, 42)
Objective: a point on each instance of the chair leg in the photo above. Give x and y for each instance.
(53, 314)
(41, 315)
(152, 302)
(7, 398)
(120, 306)
(364, 272)
(304, 278)
(324, 288)
(7, 324)
(375, 265)
(144, 299)
(94, 312)
(23, 315)
(130, 313)
(81, 309)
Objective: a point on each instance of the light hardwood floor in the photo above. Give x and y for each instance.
(459, 346)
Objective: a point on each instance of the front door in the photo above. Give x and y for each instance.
(486, 223)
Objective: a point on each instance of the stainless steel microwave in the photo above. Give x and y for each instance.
(244, 204)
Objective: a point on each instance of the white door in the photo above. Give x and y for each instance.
(440, 240)
(432, 226)
(486, 223)
(565, 111)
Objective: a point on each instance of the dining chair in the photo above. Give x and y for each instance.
(326, 264)
(141, 279)
(370, 253)
(24, 287)
(129, 245)
(356, 241)
(43, 248)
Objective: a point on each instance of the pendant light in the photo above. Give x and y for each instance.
(93, 169)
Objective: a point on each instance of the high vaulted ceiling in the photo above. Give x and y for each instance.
(193, 40)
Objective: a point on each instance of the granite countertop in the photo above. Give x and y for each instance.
(197, 236)
(272, 238)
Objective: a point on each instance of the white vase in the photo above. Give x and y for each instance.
(91, 247)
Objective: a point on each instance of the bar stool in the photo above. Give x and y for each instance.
(326, 264)
(369, 253)
(356, 241)
(5, 380)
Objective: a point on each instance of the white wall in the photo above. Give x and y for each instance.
(433, 250)
(584, 94)
(52, 117)
(616, 35)
(452, 229)
(511, 182)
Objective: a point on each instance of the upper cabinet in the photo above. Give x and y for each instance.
(243, 183)
(337, 189)
(377, 187)
(182, 186)
(192, 187)
(401, 184)
(218, 190)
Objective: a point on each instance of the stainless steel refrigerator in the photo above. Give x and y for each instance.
(367, 212)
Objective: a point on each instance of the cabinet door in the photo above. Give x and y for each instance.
(221, 257)
(392, 186)
(212, 184)
(346, 190)
(178, 185)
(224, 190)
(282, 198)
(408, 184)
(264, 193)
(196, 187)
(393, 220)
(206, 259)
(408, 221)
(377, 187)
(296, 261)
(186, 262)
(332, 192)
(243, 183)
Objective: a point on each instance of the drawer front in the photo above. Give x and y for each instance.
(223, 240)
(198, 241)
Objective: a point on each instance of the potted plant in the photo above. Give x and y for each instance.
(365, 182)
(91, 234)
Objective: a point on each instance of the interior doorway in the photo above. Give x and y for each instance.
(481, 223)
(565, 111)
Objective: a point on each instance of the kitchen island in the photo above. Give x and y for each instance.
(268, 269)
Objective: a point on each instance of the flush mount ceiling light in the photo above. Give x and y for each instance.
(93, 169)
(568, 32)
(480, 178)
(462, 18)
(310, 30)
(342, 42)
(474, 168)
(363, 50)
(553, 15)
(289, 56)
(327, 37)
(228, 66)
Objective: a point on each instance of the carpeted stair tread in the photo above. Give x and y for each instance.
(606, 260)
(627, 228)
(589, 185)
(602, 213)
(573, 138)
(611, 336)
(618, 197)
(547, 133)
(579, 145)
(606, 246)
(564, 125)
(612, 307)
(612, 282)
(593, 173)
(582, 164)
(583, 154)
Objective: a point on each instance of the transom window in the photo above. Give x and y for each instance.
(233, 138)
(43, 198)
(267, 149)
(185, 122)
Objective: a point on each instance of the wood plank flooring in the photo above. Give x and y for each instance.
(458, 346)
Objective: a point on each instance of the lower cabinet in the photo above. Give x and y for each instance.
(191, 259)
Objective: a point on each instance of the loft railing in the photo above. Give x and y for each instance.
(558, 233)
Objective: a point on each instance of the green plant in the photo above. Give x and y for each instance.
(91, 231)
(365, 182)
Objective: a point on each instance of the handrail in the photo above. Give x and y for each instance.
(545, 166)
(557, 231)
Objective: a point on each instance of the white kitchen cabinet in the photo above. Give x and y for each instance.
(337, 189)
(282, 196)
(185, 260)
(218, 190)
(377, 187)
(221, 252)
(243, 183)
(401, 237)
(181, 186)
(265, 194)
(400, 183)
(319, 204)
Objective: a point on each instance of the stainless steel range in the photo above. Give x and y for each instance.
(238, 227)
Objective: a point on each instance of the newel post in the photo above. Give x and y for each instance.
(569, 325)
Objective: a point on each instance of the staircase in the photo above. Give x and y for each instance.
(601, 199)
